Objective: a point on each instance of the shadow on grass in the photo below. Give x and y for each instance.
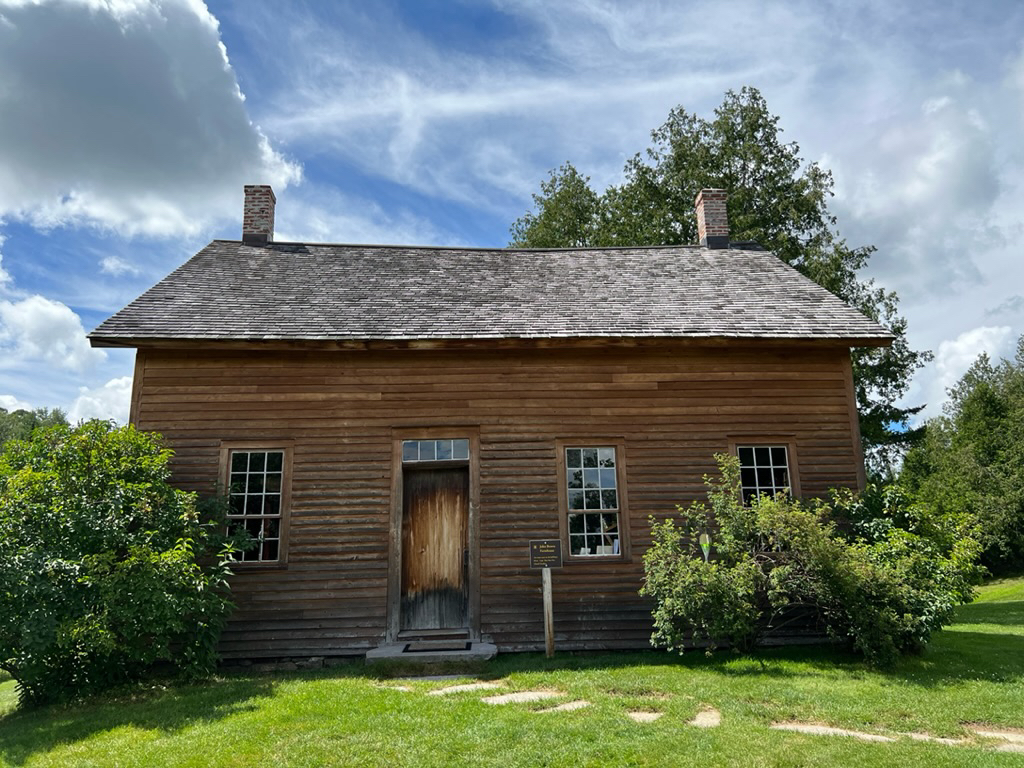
(1000, 613)
(24, 733)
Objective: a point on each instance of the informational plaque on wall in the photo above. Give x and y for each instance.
(545, 553)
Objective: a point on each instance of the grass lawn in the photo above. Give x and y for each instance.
(973, 673)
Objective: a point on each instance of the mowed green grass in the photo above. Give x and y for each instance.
(973, 673)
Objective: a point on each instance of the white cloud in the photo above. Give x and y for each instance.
(954, 356)
(10, 403)
(124, 115)
(37, 328)
(109, 401)
(5, 276)
(113, 265)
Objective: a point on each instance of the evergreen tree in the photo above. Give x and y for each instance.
(775, 199)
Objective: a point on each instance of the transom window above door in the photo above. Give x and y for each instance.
(446, 449)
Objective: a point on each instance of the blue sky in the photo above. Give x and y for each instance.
(128, 127)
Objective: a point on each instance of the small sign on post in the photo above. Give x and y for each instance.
(547, 554)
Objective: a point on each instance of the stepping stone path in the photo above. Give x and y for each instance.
(825, 730)
(464, 688)
(1012, 740)
(569, 706)
(707, 718)
(645, 717)
(521, 696)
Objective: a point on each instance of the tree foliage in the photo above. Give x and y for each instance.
(18, 425)
(882, 595)
(972, 459)
(775, 199)
(100, 563)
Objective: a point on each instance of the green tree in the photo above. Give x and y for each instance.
(100, 563)
(972, 459)
(775, 199)
(18, 425)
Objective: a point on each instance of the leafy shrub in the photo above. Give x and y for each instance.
(104, 567)
(883, 596)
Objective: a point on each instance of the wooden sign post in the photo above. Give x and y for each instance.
(547, 554)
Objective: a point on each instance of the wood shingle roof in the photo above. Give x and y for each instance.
(294, 291)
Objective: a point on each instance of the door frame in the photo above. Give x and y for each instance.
(394, 598)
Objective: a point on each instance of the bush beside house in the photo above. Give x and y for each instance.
(882, 595)
(104, 567)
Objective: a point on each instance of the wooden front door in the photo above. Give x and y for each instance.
(435, 528)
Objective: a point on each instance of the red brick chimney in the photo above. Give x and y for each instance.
(712, 218)
(258, 214)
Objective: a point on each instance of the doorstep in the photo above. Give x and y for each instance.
(427, 652)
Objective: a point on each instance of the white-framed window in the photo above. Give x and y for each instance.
(257, 483)
(445, 449)
(764, 470)
(593, 499)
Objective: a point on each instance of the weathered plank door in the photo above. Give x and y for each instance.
(435, 526)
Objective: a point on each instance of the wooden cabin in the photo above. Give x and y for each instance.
(396, 424)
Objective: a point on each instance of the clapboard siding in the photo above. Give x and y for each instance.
(672, 409)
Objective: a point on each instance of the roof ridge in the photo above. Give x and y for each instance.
(472, 248)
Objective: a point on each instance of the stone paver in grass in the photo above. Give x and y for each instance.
(1012, 735)
(479, 686)
(645, 717)
(521, 696)
(707, 718)
(402, 688)
(935, 739)
(569, 706)
(827, 730)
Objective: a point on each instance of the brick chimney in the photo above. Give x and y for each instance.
(258, 214)
(712, 218)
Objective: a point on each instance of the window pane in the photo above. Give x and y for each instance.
(270, 550)
(275, 460)
(609, 523)
(577, 545)
(609, 500)
(590, 457)
(237, 484)
(762, 455)
(575, 499)
(271, 505)
(781, 478)
(592, 499)
(573, 458)
(410, 450)
(592, 523)
(607, 478)
(746, 455)
(460, 449)
(575, 523)
(257, 462)
(237, 504)
(254, 505)
(239, 461)
(748, 478)
(779, 455)
(273, 484)
(426, 450)
(591, 478)
(444, 450)
(255, 528)
(255, 484)
(606, 457)
(272, 527)
(764, 477)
